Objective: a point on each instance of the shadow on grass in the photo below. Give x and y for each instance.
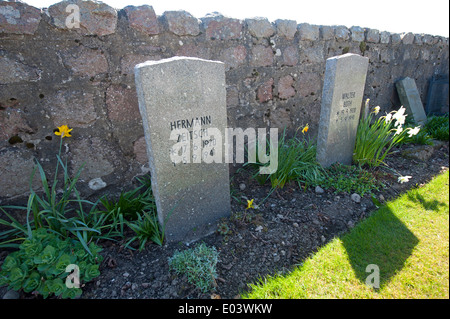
(382, 240)
(426, 204)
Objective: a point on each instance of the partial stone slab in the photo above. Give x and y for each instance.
(407, 38)
(96, 157)
(95, 17)
(143, 19)
(72, 107)
(419, 152)
(341, 33)
(429, 39)
(286, 28)
(285, 87)
(290, 56)
(418, 39)
(122, 104)
(14, 71)
(182, 23)
(11, 294)
(260, 27)
(396, 38)
(357, 33)
(373, 36)
(385, 37)
(17, 165)
(410, 99)
(345, 78)
(86, 62)
(308, 32)
(261, 56)
(182, 102)
(13, 123)
(264, 93)
(220, 27)
(18, 18)
(308, 84)
(140, 151)
(234, 56)
(326, 32)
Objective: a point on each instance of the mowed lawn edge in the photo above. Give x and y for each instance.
(402, 248)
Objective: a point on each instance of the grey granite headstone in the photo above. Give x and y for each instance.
(410, 99)
(183, 106)
(345, 77)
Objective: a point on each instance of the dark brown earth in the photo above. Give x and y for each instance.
(289, 226)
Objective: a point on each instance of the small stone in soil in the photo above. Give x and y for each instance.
(319, 190)
(356, 198)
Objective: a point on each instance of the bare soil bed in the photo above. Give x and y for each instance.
(290, 225)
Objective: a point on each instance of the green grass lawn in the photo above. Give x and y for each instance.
(407, 239)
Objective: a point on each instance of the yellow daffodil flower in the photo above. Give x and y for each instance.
(376, 110)
(305, 129)
(63, 131)
(250, 204)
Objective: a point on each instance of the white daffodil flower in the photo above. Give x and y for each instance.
(413, 131)
(388, 118)
(399, 116)
(398, 130)
(404, 179)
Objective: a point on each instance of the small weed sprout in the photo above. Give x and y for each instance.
(223, 228)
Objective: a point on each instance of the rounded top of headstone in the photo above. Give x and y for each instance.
(173, 59)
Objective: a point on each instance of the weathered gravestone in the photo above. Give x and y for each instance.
(437, 97)
(410, 99)
(183, 106)
(345, 77)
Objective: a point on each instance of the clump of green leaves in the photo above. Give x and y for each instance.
(198, 264)
(131, 203)
(40, 265)
(137, 209)
(438, 127)
(349, 179)
(296, 162)
(59, 208)
(146, 228)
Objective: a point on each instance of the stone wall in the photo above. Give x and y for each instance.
(83, 77)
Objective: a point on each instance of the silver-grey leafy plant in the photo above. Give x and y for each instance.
(198, 264)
